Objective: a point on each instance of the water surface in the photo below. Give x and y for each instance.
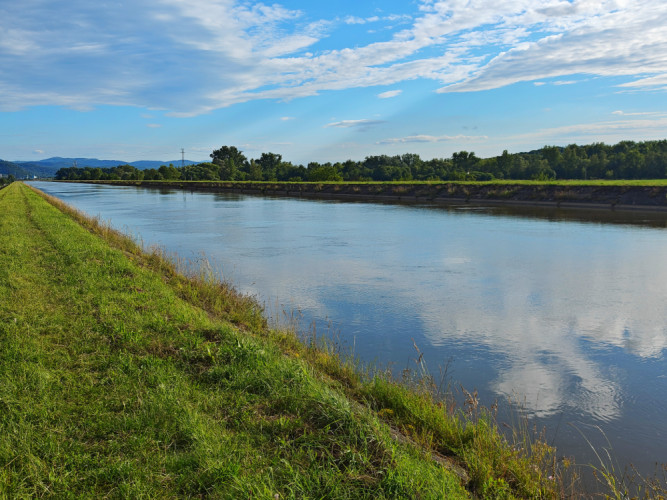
(562, 311)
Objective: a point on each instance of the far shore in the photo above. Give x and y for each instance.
(617, 195)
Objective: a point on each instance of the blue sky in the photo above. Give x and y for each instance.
(327, 81)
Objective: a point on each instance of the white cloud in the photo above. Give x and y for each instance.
(353, 123)
(374, 19)
(433, 138)
(557, 82)
(354, 20)
(38, 151)
(604, 131)
(645, 113)
(604, 38)
(397, 17)
(153, 125)
(658, 82)
(286, 118)
(192, 56)
(389, 94)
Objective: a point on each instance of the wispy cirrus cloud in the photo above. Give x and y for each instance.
(192, 56)
(606, 38)
(644, 128)
(363, 124)
(389, 94)
(658, 83)
(434, 138)
(558, 83)
(642, 113)
(361, 20)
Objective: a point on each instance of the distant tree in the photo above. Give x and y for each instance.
(323, 173)
(152, 174)
(464, 162)
(553, 155)
(230, 160)
(518, 167)
(201, 172)
(387, 168)
(269, 163)
(255, 171)
(354, 171)
(598, 165)
(169, 172)
(571, 164)
(538, 169)
(96, 173)
(127, 173)
(69, 173)
(438, 169)
(503, 164)
(288, 172)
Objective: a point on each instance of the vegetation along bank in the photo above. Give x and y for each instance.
(4, 181)
(120, 377)
(625, 160)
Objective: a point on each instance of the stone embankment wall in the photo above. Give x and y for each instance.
(606, 196)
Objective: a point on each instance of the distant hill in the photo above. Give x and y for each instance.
(57, 162)
(11, 168)
(49, 166)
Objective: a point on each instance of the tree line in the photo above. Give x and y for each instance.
(6, 180)
(625, 160)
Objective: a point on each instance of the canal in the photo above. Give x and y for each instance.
(560, 315)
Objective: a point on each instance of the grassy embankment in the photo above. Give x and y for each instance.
(121, 378)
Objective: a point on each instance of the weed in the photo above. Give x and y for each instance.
(621, 485)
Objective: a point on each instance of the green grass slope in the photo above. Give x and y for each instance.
(121, 379)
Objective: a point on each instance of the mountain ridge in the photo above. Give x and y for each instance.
(49, 166)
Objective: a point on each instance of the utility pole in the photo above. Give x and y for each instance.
(182, 157)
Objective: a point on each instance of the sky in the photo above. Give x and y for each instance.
(327, 81)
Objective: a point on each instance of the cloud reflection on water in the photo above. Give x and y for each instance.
(545, 305)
